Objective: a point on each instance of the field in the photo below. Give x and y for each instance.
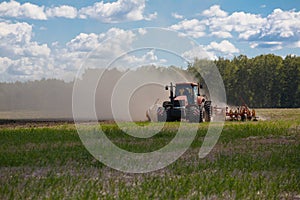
(252, 160)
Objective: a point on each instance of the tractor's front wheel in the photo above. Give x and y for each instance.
(161, 114)
(194, 114)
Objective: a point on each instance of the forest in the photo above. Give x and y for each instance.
(265, 81)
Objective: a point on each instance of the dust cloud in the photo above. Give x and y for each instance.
(114, 93)
(127, 95)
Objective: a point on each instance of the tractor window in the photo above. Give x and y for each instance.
(195, 92)
(188, 91)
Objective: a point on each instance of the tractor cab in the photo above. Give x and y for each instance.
(188, 91)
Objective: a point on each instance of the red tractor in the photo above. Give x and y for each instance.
(186, 103)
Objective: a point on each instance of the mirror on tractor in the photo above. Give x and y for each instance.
(166, 88)
(198, 88)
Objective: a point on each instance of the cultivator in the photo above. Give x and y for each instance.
(242, 113)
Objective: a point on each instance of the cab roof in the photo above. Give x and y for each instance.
(188, 83)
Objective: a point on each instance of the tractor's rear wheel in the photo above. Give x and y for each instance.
(200, 114)
(161, 114)
(208, 112)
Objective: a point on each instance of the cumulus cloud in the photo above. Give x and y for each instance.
(118, 11)
(24, 67)
(240, 22)
(151, 16)
(4, 63)
(33, 11)
(280, 28)
(84, 42)
(148, 58)
(62, 11)
(193, 27)
(15, 41)
(224, 47)
(282, 24)
(19, 32)
(221, 34)
(271, 45)
(198, 52)
(21, 58)
(26, 10)
(177, 16)
(214, 11)
(105, 47)
(142, 31)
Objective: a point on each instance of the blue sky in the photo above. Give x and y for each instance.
(51, 39)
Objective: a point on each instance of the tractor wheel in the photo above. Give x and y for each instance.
(161, 114)
(201, 115)
(208, 112)
(194, 115)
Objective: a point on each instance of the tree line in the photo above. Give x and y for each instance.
(265, 81)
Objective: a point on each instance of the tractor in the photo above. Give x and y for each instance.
(186, 103)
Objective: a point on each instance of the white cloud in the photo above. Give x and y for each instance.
(151, 16)
(32, 11)
(15, 41)
(114, 12)
(62, 11)
(272, 45)
(282, 24)
(149, 56)
(4, 63)
(224, 47)
(279, 26)
(134, 60)
(242, 23)
(221, 34)
(26, 10)
(177, 16)
(34, 49)
(105, 47)
(193, 24)
(30, 68)
(214, 11)
(21, 58)
(25, 67)
(19, 32)
(193, 28)
(142, 31)
(84, 42)
(198, 52)
(118, 11)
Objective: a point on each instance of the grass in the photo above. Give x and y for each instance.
(252, 160)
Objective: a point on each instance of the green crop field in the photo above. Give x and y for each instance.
(252, 160)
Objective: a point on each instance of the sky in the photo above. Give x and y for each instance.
(56, 39)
